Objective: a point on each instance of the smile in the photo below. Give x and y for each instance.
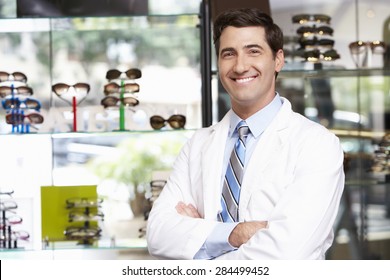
(244, 80)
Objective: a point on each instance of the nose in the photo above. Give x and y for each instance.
(241, 64)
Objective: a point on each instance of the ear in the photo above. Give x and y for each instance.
(279, 60)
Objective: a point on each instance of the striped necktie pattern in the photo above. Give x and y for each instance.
(233, 177)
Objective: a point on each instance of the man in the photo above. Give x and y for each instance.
(292, 182)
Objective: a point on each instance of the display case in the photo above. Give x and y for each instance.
(117, 151)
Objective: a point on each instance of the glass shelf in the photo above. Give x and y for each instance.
(336, 72)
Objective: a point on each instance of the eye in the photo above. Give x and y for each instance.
(254, 51)
(227, 54)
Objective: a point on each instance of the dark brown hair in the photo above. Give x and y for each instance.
(246, 17)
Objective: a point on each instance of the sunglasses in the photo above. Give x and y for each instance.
(15, 76)
(175, 121)
(316, 55)
(313, 42)
(132, 74)
(21, 90)
(377, 47)
(309, 30)
(15, 103)
(330, 55)
(113, 101)
(115, 88)
(19, 118)
(304, 18)
(62, 88)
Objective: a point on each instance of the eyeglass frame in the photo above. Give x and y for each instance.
(132, 74)
(15, 91)
(21, 116)
(19, 101)
(163, 121)
(360, 51)
(311, 18)
(117, 100)
(308, 30)
(120, 87)
(3, 73)
(305, 42)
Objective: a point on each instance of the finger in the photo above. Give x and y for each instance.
(180, 208)
(193, 211)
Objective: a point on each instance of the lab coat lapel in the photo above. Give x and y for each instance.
(212, 160)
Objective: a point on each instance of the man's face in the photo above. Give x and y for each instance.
(247, 68)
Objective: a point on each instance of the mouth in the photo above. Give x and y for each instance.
(244, 80)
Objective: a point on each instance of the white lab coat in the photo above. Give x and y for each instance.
(294, 180)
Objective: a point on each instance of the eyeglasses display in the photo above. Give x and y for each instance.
(22, 110)
(72, 94)
(156, 186)
(121, 95)
(84, 210)
(9, 237)
(175, 121)
(361, 51)
(315, 42)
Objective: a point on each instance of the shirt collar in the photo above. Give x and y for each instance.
(259, 121)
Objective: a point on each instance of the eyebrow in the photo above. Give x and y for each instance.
(253, 46)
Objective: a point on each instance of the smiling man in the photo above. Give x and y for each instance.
(264, 182)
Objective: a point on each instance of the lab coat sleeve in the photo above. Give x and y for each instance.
(169, 234)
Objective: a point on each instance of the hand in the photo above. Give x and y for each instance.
(244, 231)
(188, 210)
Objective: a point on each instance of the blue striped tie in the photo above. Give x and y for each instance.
(233, 178)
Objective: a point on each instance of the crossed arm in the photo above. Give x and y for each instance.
(240, 234)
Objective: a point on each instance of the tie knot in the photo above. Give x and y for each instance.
(243, 130)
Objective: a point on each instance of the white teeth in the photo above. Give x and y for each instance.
(244, 80)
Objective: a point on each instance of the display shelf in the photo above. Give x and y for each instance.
(335, 73)
(104, 253)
